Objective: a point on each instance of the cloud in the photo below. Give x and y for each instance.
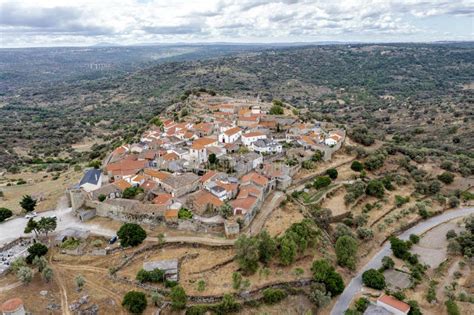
(39, 22)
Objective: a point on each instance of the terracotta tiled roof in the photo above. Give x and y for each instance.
(202, 142)
(395, 303)
(204, 178)
(203, 198)
(252, 118)
(244, 203)
(247, 191)
(162, 199)
(171, 214)
(156, 174)
(232, 131)
(122, 184)
(255, 178)
(253, 134)
(170, 157)
(138, 178)
(126, 164)
(148, 185)
(11, 305)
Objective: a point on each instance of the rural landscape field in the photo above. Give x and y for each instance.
(236, 157)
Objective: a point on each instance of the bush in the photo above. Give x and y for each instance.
(5, 214)
(446, 177)
(452, 308)
(131, 234)
(272, 296)
(453, 202)
(247, 253)
(135, 302)
(25, 274)
(155, 275)
(227, 305)
(324, 273)
(451, 234)
(361, 304)
(287, 250)
(387, 263)
(319, 295)
(332, 173)
(414, 238)
(36, 250)
(399, 248)
(365, 233)
(80, 282)
(178, 298)
(185, 214)
(266, 247)
(357, 166)
(375, 188)
(346, 251)
(373, 279)
(322, 181)
(236, 280)
(400, 201)
(101, 197)
(131, 192)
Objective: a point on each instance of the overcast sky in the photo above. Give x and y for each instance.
(26, 23)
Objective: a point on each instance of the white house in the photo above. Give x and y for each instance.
(91, 180)
(266, 146)
(250, 137)
(198, 151)
(330, 142)
(230, 135)
(393, 305)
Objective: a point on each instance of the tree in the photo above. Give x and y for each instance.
(414, 238)
(36, 250)
(156, 121)
(453, 202)
(272, 296)
(361, 304)
(236, 280)
(414, 308)
(46, 225)
(287, 250)
(357, 166)
(451, 234)
(80, 282)
(178, 298)
(446, 177)
(212, 158)
(373, 279)
(452, 308)
(319, 295)
(387, 263)
(31, 226)
(25, 274)
(135, 302)
(40, 262)
(375, 188)
(346, 250)
(101, 197)
(226, 210)
(322, 181)
(131, 192)
(266, 247)
(399, 248)
(227, 305)
(247, 253)
(47, 274)
(5, 214)
(131, 234)
(28, 203)
(332, 173)
(322, 216)
(324, 273)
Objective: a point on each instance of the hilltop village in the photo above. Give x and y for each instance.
(209, 167)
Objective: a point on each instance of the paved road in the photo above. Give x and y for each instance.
(14, 228)
(355, 285)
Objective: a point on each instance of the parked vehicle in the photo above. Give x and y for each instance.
(31, 215)
(113, 239)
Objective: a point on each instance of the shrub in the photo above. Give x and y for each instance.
(446, 177)
(365, 233)
(101, 197)
(414, 238)
(201, 285)
(236, 280)
(332, 173)
(272, 296)
(400, 201)
(185, 214)
(375, 188)
(5, 214)
(80, 282)
(247, 253)
(25, 274)
(451, 234)
(322, 181)
(131, 234)
(453, 202)
(452, 308)
(227, 305)
(361, 304)
(178, 298)
(131, 192)
(47, 274)
(357, 166)
(399, 248)
(387, 263)
(319, 295)
(135, 302)
(414, 308)
(266, 247)
(155, 275)
(346, 250)
(36, 250)
(373, 279)
(324, 273)
(287, 250)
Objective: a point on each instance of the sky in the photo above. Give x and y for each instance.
(36, 23)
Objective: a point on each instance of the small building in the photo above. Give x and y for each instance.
(393, 305)
(75, 233)
(91, 180)
(373, 309)
(13, 307)
(266, 146)
(230, 135)
(250, 137)
(169, 266)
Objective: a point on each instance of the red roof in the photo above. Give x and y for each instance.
(12, 305)
(232, 131)
(204, 178)
(255, 178)
(162, 199)
(395, 303)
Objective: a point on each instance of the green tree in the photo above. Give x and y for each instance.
(36, 250)
(325, 273)
(156, 121)
(31, 226)
(272, 296)
(361, 304)
(227, 305)
(287, 250)
(101, 197)
(80, 282)
(446, 177)
(319, 295)
(46, 225)
(387, 263)
(131, 234)
(357, 166)
(135, 302)
(25, 274)
(28, 203)
(178, 298)
(375, 188)
(236, 280)
(414, 238)
(40, 262)
(399, 248)
(322, 181)
(47, 274)
(332, 173)
(226, 210)
(452, 308)
(373, 279)
(131, 192)
(346, 251)
(266, 247)
(212, 158)
(247, 253)
(5, 214)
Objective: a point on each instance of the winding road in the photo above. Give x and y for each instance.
(355, 285)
